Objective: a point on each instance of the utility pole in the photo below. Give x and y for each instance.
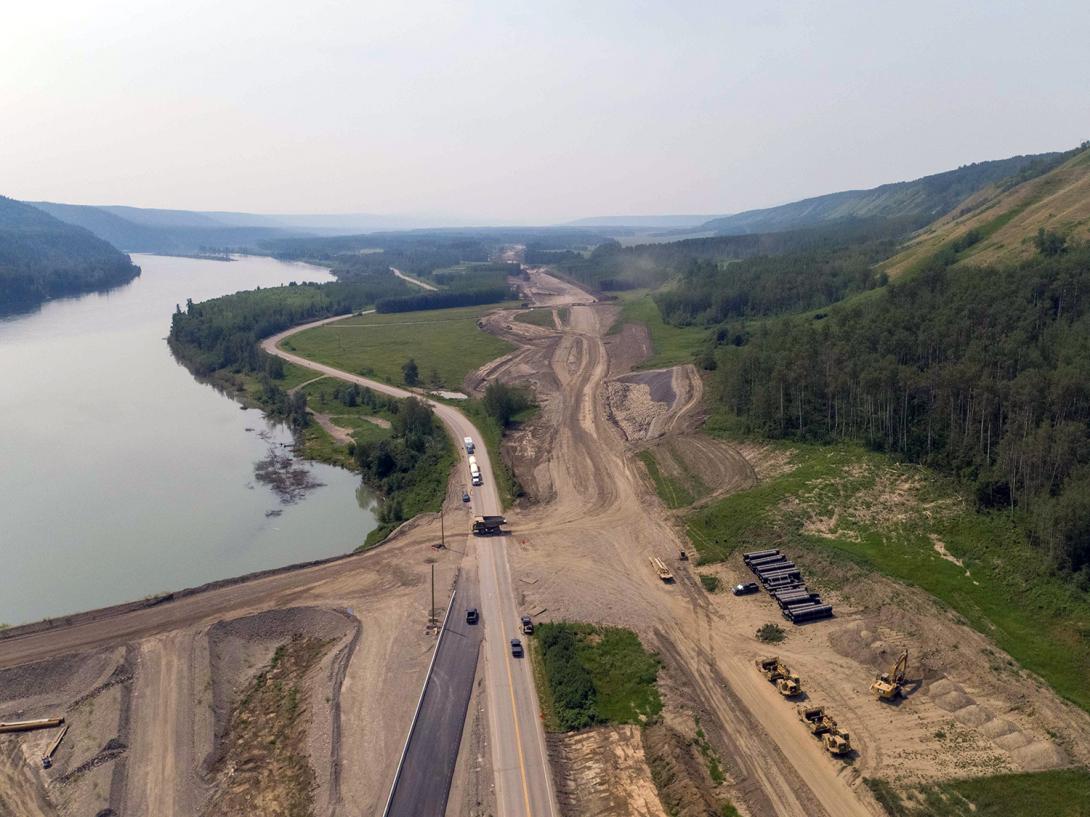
(442, 529)
(431, 611)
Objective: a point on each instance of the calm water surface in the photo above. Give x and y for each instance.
(121, 476)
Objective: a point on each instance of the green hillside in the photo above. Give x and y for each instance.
(1000, 222)
(43, 258)
(926, 198)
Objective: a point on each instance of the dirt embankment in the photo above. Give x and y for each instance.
(603, 772)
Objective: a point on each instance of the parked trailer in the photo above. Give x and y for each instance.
(757, 554)
(660, 568)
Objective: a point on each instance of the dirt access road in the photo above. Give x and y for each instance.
(519, 761)
(583, 555)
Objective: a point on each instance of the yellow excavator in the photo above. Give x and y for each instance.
(889, 685)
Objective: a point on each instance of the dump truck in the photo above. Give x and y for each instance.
(837, 743)
(488, 525)
(890, 685)
(815, 718)
(660, 568)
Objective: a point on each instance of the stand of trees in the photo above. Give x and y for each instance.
(981, 372)
(443, 299)
(223, 333)
(400, 465)
(42, 258)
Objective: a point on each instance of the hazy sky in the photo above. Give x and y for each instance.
(523, 111)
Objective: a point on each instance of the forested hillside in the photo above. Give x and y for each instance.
(43, 258)
(925, 199)
(983, 372)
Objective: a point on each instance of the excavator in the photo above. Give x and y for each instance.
(888, 685)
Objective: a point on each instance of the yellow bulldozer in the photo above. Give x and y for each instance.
(889, 685)
(787, 683)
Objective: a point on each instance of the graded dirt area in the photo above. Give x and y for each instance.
(581, 553)
(151, 694)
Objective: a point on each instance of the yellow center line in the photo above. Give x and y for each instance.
(514, 710)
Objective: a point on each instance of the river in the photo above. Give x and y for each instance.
(121, 476)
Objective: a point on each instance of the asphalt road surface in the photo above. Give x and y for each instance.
(519, 761)
(424, 782)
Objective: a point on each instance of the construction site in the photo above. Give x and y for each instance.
(292, 692)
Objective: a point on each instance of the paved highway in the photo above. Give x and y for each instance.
(519, 760)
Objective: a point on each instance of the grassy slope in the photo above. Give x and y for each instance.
(1063, 793)
(673, 492)
(446, 340)
(1043, 622)
(538, 317)
(1009, 219)
(673, 344)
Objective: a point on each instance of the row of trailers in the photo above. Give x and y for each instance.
(783, 581)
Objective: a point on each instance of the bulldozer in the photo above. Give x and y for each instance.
(837, 743)
(815, 719)
(889, 685)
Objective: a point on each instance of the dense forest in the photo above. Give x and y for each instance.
(223, 333)
(611, 267)
(43, 258)
(981, 372)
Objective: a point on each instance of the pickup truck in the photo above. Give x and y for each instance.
(527, 625)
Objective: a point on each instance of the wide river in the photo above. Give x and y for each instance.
(121, 476)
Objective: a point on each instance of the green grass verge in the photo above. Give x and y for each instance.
(444, 341)
(672, 344)
(622, 674)
(1042, 620)
(510, 490)
(671, 491)
(1064, 793)
(538, 317)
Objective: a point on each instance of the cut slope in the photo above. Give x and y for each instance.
(1004, 221)
(928, 197)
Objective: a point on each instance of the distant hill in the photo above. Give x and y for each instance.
(666, 222)
(927, 198)
(169, 232)
(1000, 222)
(41, 257)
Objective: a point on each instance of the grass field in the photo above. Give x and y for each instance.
(673, 344)
(888, 518)
(538, 317)
(1063, 793)
(445, 342)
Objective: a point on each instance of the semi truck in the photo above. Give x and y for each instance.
(474, 471)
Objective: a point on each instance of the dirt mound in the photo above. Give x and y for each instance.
(239, 647)
(647, 405)
(603, 771)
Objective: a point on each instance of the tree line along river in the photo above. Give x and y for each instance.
(122, 476)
